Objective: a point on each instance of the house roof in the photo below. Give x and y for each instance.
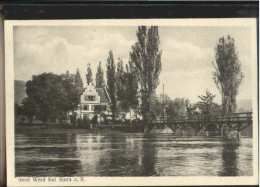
(103, 95)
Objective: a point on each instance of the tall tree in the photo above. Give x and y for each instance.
(111, 82)
(227, 75)
(78, 84)
(78, 79)
(99, 76)
(89, 74)
(120, 73)
(129, 92)
(145, 60)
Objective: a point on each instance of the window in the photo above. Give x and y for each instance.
(92, 107)
(90, 98)
(86, 107)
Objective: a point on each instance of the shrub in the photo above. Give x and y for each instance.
(73, 118)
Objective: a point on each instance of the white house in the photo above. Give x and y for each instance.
(92, 101)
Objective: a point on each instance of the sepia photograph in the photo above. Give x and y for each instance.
(131, 98)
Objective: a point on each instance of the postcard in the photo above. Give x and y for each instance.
(131, 102)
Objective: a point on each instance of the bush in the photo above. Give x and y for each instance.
(79, 121)
(73, 118)
(86, 121)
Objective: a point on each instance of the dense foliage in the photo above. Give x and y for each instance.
(120, 81)
(100, 77)
(51, 96)
(145, 60)
(89, 75)
(227, 75)
(111, 82)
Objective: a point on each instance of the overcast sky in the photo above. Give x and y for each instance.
(187, 54)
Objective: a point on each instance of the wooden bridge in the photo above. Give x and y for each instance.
(227, 125)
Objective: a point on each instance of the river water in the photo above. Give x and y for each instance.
(126, 154)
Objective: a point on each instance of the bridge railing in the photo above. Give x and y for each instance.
(243, 116)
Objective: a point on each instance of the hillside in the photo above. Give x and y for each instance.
(244, 105)
(19, 91)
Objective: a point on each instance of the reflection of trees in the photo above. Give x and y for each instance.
(129, 156)
(71, 139)
(112, 162)
(148, 163)
(229, 157)
(89, 153)
(116, 155)
(68, 165)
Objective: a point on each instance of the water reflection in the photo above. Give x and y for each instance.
(78, 154)
(229, 157)
(148, 155)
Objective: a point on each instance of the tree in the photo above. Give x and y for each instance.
(111, 81)
(99, 77)
(191, 108)
(120, 81)
(78, 80)
(78, 83)
(207, 104)
(157, 107)
(42, 91)
(89, 74)
(145, 60)
(71, 94)
(29, 108)
(227, 75)
(129, 92)
(50, 96)
(171, 107)
(176, 107)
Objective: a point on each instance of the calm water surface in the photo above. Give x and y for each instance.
(78, 154)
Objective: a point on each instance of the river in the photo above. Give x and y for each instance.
(126, 154)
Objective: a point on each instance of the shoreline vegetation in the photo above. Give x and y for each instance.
(131, 89)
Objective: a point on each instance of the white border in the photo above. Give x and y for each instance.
(133, 181)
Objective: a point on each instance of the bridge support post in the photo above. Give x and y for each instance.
(224, 130)
(232, 132)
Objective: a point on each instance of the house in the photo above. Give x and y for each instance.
(93, 101)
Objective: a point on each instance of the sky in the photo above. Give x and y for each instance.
(187, 54)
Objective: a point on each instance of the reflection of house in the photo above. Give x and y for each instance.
(92, 101)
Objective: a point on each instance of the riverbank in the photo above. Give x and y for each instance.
(60, 128)
(117, 128)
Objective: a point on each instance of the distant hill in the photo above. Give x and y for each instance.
(244, 105)
(19, 91)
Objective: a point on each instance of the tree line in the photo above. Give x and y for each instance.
(133, 86)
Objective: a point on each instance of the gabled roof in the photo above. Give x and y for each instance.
(103, 95)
